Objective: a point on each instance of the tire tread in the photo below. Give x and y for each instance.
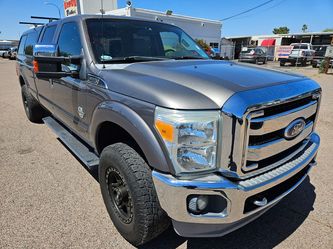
(154, 220)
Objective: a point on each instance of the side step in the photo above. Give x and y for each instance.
(89, 158)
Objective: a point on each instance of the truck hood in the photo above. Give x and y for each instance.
(190, 84)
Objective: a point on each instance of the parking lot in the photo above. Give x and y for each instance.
(49, 200)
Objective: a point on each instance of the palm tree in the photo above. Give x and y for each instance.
(305, 28)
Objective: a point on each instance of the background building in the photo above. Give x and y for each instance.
(271, 42)
(6, 44)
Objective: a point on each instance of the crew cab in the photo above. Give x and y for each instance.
(176, 137)
(302, 53)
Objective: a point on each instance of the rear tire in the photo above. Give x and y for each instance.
(282, 64)
(33, 109)
(129, 194)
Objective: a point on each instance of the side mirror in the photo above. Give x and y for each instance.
(48, 65)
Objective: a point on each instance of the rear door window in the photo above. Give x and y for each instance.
(30, 42)
(21, 45)
(48, 34)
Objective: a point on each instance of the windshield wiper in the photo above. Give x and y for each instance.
(188, 58)
(144, 58)
(134, 58)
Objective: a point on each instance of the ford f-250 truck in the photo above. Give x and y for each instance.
(208, 145)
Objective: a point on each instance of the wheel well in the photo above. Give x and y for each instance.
(22, 82)
(110, 133)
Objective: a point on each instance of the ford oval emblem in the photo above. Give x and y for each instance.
(294, 128)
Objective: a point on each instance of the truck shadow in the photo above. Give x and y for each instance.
(267, 231)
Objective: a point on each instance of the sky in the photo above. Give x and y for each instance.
(316, 14)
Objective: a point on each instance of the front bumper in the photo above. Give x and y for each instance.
(247, 59)
(173, 192)
(293, 59)
(317, 62)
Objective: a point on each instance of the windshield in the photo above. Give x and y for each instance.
(118, 40)
(300, 46)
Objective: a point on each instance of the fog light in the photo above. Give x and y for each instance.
(198, 203)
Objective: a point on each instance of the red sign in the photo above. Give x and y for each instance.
(70, 7)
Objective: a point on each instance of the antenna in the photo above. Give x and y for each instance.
(103, 45)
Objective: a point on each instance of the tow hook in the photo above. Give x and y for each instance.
(261, 203)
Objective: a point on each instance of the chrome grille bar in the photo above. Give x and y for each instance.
(252, 182)
(281, 120)
(259, 152)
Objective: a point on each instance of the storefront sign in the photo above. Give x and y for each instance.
(283, 51)
(70, 7)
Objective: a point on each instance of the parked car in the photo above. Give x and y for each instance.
(319, 56)
(12, 52)
(5, 54)
(209, 145)
(302, 53)
(2, 51)
(254, 55)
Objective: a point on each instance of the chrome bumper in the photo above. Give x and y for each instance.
(172, 192)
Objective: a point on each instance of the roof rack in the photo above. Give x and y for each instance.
(45, 18)
(33, 23)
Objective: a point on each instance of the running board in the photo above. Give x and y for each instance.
(89, 158)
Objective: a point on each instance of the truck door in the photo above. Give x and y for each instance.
(44, 86)
(26, 57)
(67, 92)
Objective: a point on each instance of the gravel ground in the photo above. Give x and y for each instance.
(49, 200)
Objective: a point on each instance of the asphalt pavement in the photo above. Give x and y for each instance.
(49, 200)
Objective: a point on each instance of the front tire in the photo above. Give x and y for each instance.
(304, 62)
(129, 194)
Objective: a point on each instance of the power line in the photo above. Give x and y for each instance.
(246, 11)
(261, 11)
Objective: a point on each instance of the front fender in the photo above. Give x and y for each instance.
(130, 121)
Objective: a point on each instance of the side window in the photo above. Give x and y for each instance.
(180, 45)
(48, 34)
(30, 43)
(21, 45)
(69, 40)
(170, 40)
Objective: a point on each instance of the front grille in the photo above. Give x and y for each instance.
(268, 137)
(273, 110)
(266, 146)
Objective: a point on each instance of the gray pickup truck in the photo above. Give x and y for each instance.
(176, 137)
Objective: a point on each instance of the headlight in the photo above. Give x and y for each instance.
(190, 137)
